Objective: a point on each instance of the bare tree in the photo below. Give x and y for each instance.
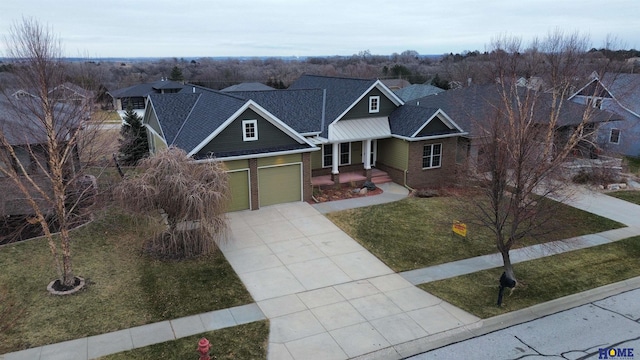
(526, 133)
(190, 197)
(39, 141)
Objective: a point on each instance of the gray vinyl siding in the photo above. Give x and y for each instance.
(361, 109)
(230, 139)
(394, 152)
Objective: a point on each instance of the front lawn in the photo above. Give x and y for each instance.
(125, 288)
(632, 196)
(416, 232)
(248, 341)
(542, 279)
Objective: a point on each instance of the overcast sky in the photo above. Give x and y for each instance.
(203, 28)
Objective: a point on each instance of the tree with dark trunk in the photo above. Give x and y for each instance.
(525, 135)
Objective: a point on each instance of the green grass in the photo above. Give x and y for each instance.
(634, 164)
(543, 279)
(125, 288)
(247, 341)
(416, 232)
(632, 196)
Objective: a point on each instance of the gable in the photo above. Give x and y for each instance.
(594, 89)
(230, 139)
(436, 127)
(151, 120)
(361, 108)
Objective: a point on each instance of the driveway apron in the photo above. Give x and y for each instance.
(324, 294)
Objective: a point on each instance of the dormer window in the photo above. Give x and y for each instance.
(249, 130)
(374, 104)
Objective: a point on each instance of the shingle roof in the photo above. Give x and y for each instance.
(142, 90)
(300, 109)
(470, 105)
(625, 88)
(187, 119)
(408, 119)
(340, 92)
(417, 91)
(251, 86)
(21, 124)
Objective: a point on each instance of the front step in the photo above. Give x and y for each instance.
(381, 179)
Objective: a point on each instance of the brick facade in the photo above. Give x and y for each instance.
(445, 175)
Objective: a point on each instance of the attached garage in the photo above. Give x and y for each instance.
(280, 184)
(240, 190)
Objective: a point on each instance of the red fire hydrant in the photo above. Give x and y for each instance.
(203, 349)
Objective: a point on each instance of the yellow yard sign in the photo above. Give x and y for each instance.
(460, 228)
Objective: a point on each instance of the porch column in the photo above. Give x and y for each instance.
(367, 159)
(367, 156)
(335, 160)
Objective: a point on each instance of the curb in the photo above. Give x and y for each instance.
(486, 326)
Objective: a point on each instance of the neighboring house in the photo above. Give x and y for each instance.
(276, 142)
(136, 95)
(66, 92)
(471, 106)
(618, 93)
(417, 91)
(69, 92)
(395, 84)
(252, 86)
(25, 134)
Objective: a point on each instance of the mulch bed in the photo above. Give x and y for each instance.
(344, 192)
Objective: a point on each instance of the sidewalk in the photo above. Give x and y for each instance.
(325, 294)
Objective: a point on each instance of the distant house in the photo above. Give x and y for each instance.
(417, 91)
(251, 86)
(618, 93)
(278, 144)
(136, 95)
(395, 84)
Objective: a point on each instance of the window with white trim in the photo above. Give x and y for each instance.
(249, 130)
(431, 156)
(345, 153)
(327, 155)
(374, 104)
(614, 136)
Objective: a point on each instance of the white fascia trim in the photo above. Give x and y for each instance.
(447, 120)
(147, 114)
(261, 155)
(385, 90)
(430, 137)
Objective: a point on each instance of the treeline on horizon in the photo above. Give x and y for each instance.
(280, 72)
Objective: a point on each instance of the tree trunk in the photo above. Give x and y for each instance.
(508, 267)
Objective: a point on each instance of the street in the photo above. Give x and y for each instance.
(604, 329)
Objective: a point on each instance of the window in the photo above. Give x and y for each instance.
(614, 137)
(134, 102)
(249, 130)
(327, 155)
(374, 104)
(431, 156)
(345, 153)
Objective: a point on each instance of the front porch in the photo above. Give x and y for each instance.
(377, 177)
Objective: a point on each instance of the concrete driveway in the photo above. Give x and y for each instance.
(324, 294)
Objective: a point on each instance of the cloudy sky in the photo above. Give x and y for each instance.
(203, 28)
